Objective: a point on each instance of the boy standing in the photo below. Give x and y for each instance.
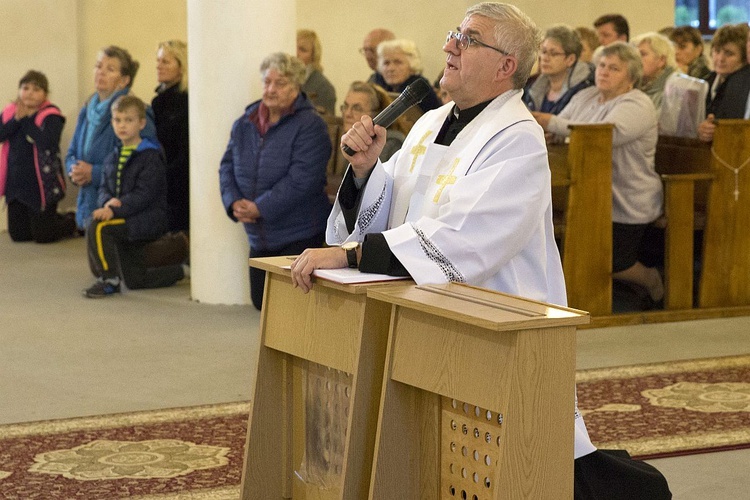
(133, 201)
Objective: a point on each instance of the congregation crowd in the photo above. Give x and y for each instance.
(130, 161)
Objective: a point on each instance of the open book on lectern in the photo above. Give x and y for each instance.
(347, 276)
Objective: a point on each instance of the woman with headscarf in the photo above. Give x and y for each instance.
(94, 138)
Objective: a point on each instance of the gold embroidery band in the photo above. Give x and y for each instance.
(418, 150)
(444, 180)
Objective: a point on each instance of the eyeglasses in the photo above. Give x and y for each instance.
(550, 53)
(356, 108)
(463, 42)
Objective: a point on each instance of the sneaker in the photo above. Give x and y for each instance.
(101, 289)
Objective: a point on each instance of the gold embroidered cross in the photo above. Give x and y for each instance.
(418, 150)
(444, 180)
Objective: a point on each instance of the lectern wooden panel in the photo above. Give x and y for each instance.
(314, 410)
(478, 396)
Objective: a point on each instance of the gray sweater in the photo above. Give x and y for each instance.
(636, 187)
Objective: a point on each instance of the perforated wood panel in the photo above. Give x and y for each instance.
(327, 406)
(469, 451)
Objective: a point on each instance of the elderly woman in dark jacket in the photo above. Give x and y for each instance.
(273, 173)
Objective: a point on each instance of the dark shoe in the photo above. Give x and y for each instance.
(101, 289)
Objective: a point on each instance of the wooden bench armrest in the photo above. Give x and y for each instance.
(687, 177)
(679, 209)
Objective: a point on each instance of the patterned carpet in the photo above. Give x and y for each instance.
(668, 409)
(185, 453)
(655, 410)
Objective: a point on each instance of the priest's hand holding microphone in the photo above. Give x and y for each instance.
(364, 142)
(361, 145)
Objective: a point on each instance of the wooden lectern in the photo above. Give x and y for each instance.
(478, 396)
(313, 415)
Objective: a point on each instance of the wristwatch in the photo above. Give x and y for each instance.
(350, 248)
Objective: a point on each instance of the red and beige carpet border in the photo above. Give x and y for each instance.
(668, 409)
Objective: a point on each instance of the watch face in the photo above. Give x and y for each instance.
(350, 245)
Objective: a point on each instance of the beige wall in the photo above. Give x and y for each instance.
(62, 39)
(66, 46)
(66, 49)
(136, 25)
(342, 27)
(48, 47)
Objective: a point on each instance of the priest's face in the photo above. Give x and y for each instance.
(471, 71)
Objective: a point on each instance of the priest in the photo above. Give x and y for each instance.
(468, 196)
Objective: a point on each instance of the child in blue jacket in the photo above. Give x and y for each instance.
(133, 208)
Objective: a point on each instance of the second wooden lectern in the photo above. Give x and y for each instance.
(478, 396)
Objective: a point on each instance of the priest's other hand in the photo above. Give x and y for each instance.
(312, 259)
(367, 139)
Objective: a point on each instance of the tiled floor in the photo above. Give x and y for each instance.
(63, 355)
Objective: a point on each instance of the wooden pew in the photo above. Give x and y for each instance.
(725, 278)
(684, 165)
(699, 194)
(582, 187)
(725, 268)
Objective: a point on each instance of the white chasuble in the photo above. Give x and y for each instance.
(478, 211)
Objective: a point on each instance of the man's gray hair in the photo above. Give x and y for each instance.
(286, 65)
(515, 33)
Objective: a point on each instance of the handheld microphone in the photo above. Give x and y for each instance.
(413, 94)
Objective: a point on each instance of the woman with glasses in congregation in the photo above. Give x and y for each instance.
(561, 73)
(273, 173)
(401, 65)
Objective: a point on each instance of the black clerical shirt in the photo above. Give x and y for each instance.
(376, 254)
